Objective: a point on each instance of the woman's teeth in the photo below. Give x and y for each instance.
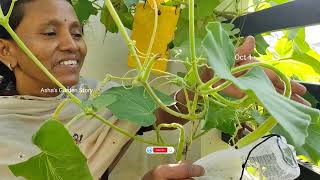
(69, 62)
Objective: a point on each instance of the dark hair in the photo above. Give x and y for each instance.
(7, 77)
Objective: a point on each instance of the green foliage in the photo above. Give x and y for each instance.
(123, 12)
(222, 118)
(256, 84)
(261, 44)
(132, 104)
(203, 8)
(60, 157)
(84, 9)
(306, 62)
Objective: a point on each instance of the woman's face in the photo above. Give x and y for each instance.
(52, 31)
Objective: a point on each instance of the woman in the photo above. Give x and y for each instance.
(52, 31)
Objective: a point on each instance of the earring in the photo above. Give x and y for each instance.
(9, 66)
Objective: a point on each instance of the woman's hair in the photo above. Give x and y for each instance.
(7, 77)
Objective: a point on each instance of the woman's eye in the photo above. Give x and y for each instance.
(77, 35)
(49, 34)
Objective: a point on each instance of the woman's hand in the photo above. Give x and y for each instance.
(244, 52)
(183, 171)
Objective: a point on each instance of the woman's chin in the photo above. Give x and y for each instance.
(69, 81)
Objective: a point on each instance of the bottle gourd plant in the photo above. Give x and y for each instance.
(262, 108)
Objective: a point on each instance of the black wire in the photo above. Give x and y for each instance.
(245, 163)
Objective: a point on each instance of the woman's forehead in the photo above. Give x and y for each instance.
(49, 11)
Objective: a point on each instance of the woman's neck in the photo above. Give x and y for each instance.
(26, 85)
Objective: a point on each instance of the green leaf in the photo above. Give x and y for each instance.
(229, 28)
(284, 47)
(292, 116)
(123, 12)
(183, 51)
(261, 44)
(134, 104)
(218, 48)
(306, 59)
(311, 148)
(84, 10)
(60, 157)
(202, 8)
(130, 3)
(107, 21)
(99, 102)
(222, 118)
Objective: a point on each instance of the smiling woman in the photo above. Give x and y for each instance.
(60, 33)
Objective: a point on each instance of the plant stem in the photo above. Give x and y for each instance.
(163, 106)
(123, 32)
(282, 76)
(154, 32)
(258, 133)
(74, 119)
(194, 104)
(192, 41)
(199, 135)
(59, 108)
(103, 120)
(181, 137)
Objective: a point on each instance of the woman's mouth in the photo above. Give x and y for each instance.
(69, 62)
(70, 65)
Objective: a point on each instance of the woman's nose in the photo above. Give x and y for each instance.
(68, 43)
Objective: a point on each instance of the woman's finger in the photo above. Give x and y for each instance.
(300, 99)
(246, 48)
(295, 97)
(180, 171)
(296, 88)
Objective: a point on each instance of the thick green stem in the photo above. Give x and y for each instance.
(148, 68)
(192, 41)
(103, 120)
(194, 104)
(283, 77)
(258, 133)
(181, 137)
(123, 32)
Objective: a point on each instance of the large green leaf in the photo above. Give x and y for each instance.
(133, 104)
(222, 118)
(60, 157)
(311, 148)
(292, 116)
(218, 48)
(84, 10)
